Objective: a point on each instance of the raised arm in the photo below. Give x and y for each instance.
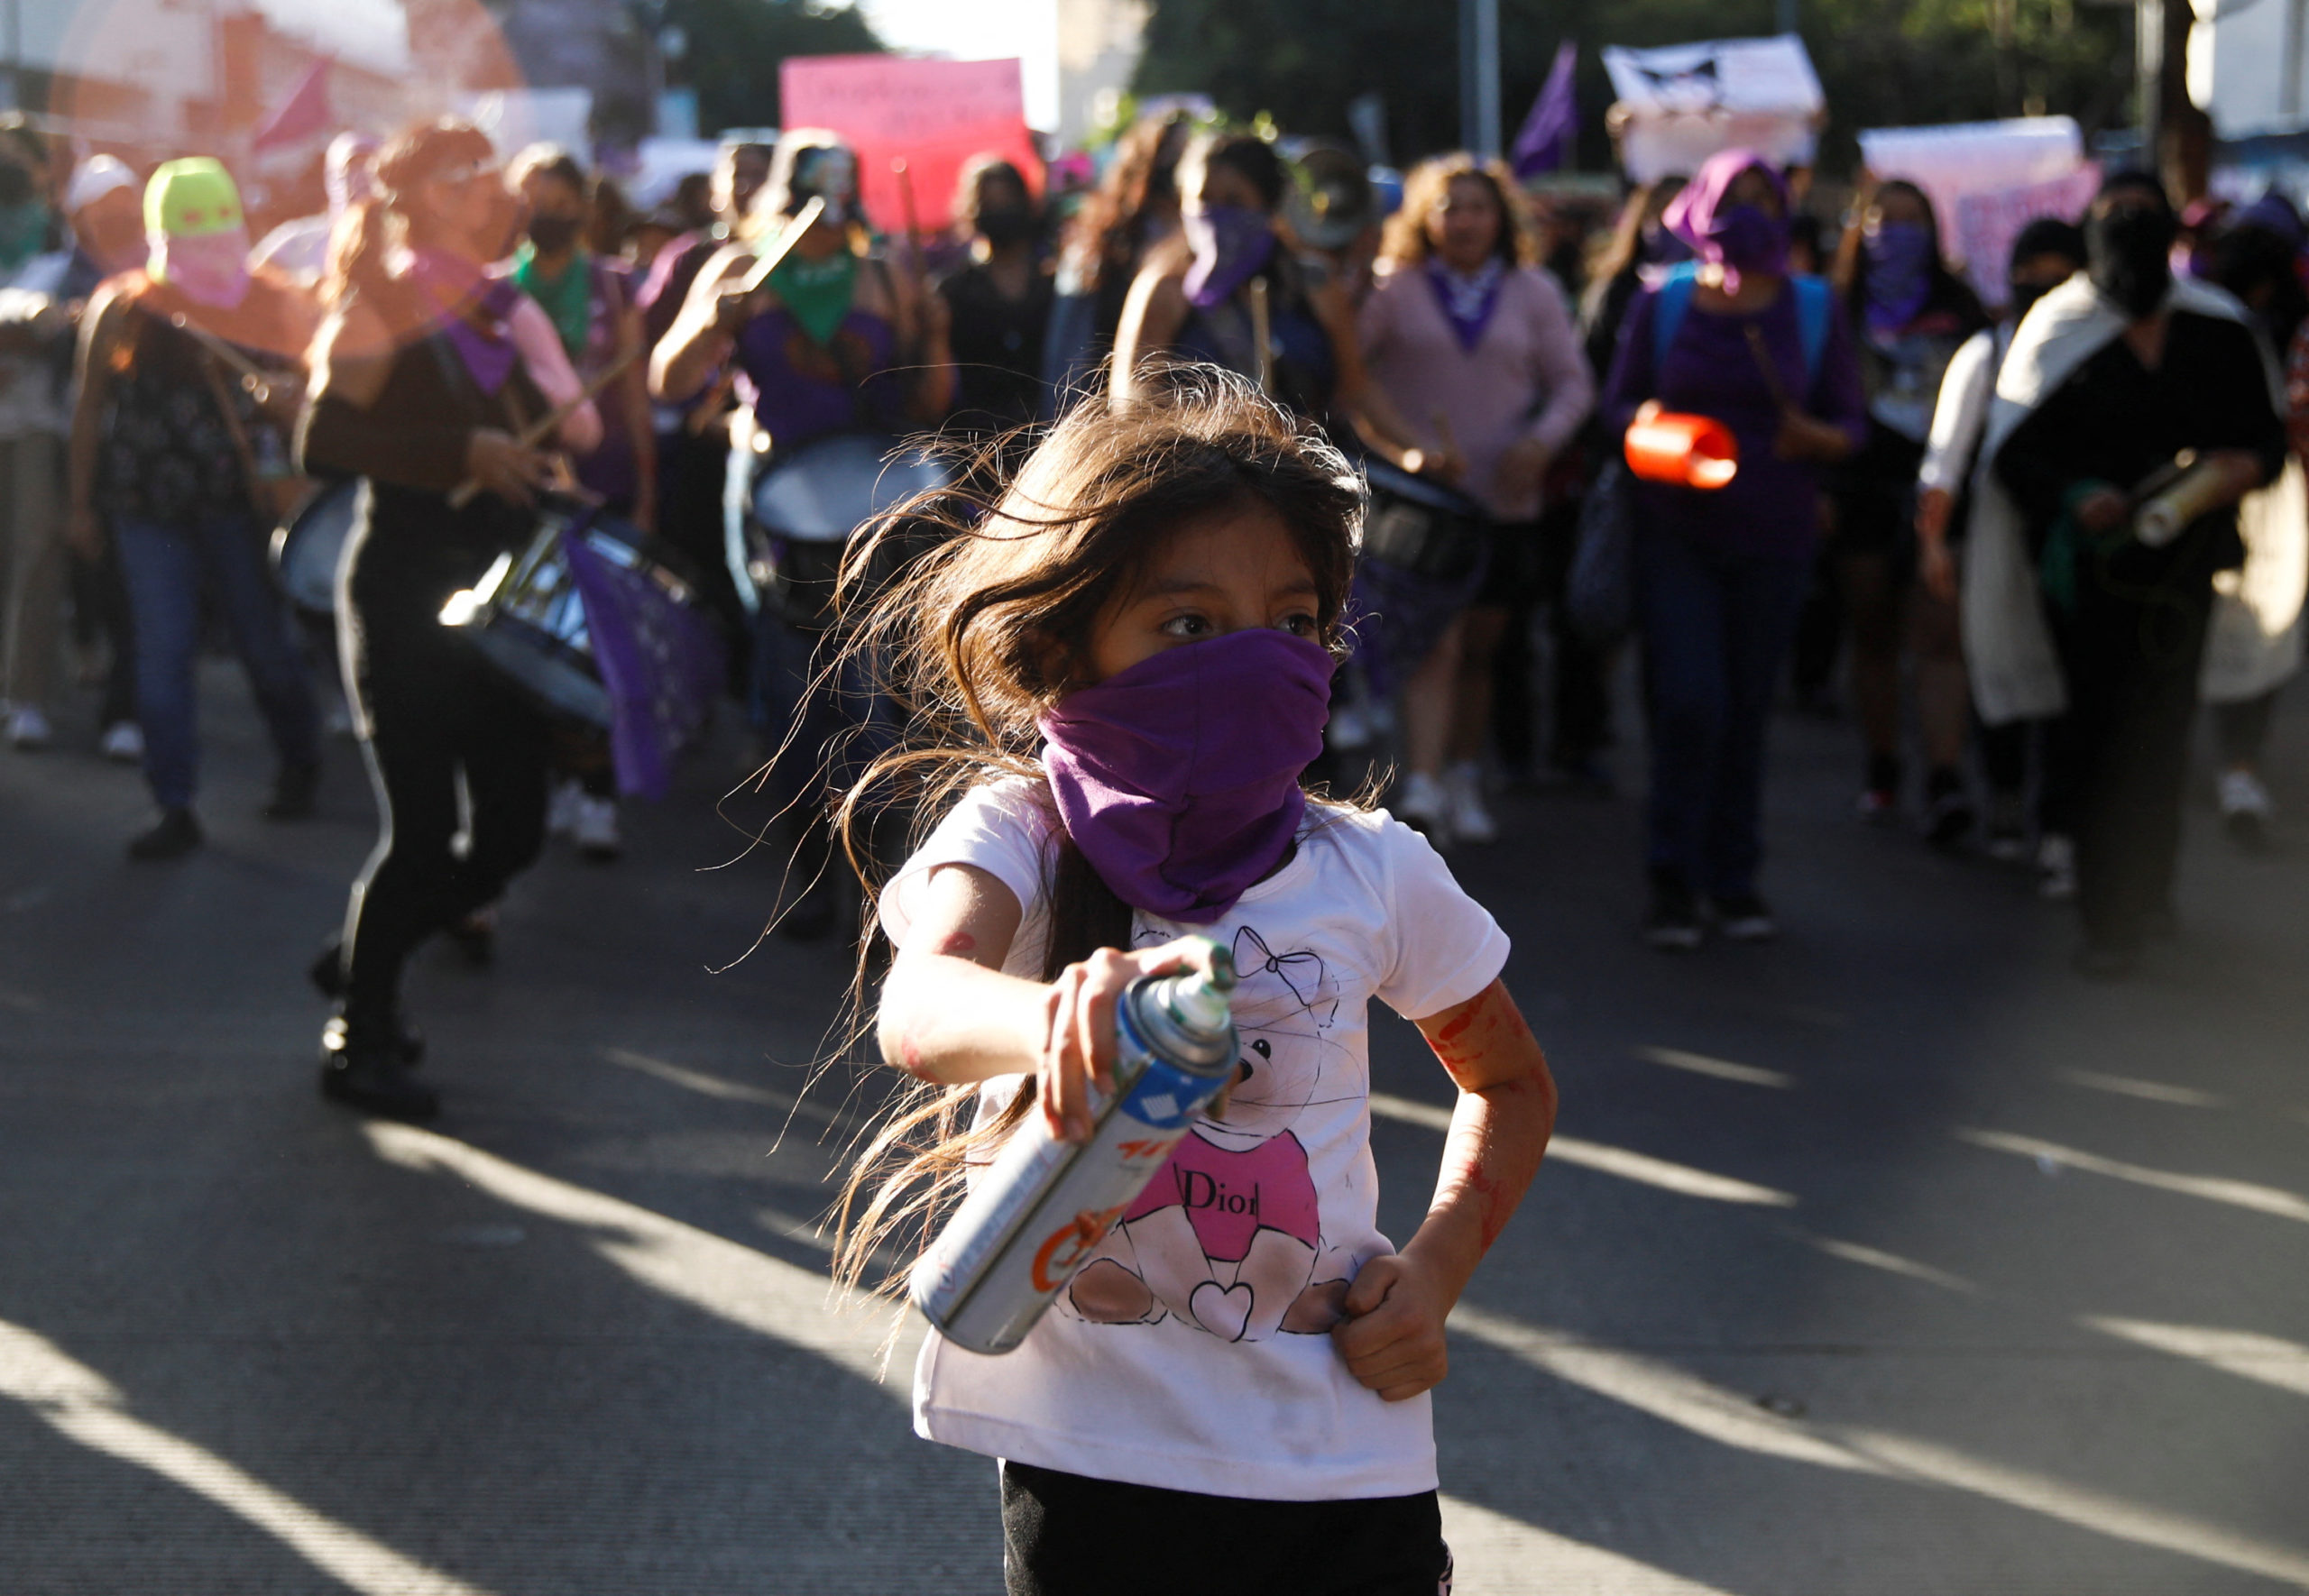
(1152, 316)
(704, 335)
(1393, 1338)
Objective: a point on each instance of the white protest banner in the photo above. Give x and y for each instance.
(1679, 104)
(1988, 223)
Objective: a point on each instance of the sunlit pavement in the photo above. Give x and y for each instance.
(1891, 1259)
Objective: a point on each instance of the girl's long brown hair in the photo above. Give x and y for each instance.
(978, 633)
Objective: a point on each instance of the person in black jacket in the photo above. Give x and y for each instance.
(425, 371)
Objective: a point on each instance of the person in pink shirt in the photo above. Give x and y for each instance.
(1474, 344)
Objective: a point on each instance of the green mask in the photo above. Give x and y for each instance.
(191, 198)
(817, 292)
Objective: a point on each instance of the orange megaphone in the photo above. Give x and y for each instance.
(1682, 450)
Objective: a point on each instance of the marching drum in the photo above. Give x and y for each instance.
(806, 503)
(528, 617)
(1419, 527)
(308, 547)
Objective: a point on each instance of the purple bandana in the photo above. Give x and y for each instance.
(1899, 274)
(1740, 238)
(1468, 298)
(1179, 777)
(454, 284)
(1227, 244)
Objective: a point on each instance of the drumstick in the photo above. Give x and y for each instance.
(772, 258)
(539, 430)
(906, 206)
(1259, 331)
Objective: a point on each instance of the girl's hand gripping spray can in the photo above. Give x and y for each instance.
(1036, 1215)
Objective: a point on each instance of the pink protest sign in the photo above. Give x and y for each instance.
(1987, 222)
(933, 115)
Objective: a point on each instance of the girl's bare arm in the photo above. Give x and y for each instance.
(1392, 1339)
(949, 1015)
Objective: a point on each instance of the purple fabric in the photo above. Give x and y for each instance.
(1179, 777)
(1229, 244)
(1740, 238)
(1544, 143)
(1770, 509)
(800, 388)
(1397, 617)
(452, 283)
(1468, 319)
(1899, 274)
(660, 660)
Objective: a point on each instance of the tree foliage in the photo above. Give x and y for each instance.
(736, 46)
(1883, 64)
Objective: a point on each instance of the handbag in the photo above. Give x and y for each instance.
(1599, 589)
(1419, 527)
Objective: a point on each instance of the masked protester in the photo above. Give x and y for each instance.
(1721, 575)
(1911, 314)
(999, 302)
(173, 461)
(836, 341)
(2079, 604)
(2047, 254)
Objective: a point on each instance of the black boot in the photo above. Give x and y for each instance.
(364, 1068)
(174, 835)
(296, 792)
(327, 975)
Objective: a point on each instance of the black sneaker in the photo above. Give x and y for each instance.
(295, 793)
(1747, 917)
(367, 1072)
(1948, 815)
(1673, 925)
(174, 835)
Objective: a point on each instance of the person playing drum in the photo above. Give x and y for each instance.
(836, 341)
(427, 373)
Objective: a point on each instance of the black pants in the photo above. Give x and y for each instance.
(1063, 1534)
(1579, 718)
(432, 712)
(2131, 652)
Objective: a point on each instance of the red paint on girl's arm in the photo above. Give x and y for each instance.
(961, 944)
(910, 1057)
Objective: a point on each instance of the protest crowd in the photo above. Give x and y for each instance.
(554, 478)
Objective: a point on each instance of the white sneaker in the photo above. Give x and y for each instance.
(561, 808)
(1424, 805)
(594, 827)
(2055, 868)
(1350, 728)
(29, 730)
(1470, 821)
(124, 740)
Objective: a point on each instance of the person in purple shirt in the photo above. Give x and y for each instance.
(1721, 575)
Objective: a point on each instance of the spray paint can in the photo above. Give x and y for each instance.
(1041, 1209)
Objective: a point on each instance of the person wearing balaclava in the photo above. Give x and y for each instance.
(1721, 575)
(40, 311)
(2073, 600)
(836, 341)
(2046, 254)
(998, 302)
(172, 454)
(1911, 314)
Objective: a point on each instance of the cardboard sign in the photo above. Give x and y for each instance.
(934, 115)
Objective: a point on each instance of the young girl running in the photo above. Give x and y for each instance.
(1118, 678)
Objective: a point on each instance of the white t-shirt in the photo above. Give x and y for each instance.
(1192, 1351)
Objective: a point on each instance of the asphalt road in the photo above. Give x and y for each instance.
(1890, 1258)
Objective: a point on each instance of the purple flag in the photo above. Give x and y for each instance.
(1545, 142)
(661, 661)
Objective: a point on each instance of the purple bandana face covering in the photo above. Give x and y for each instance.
(1179, 777)
(1227, 244)
(1899, 274)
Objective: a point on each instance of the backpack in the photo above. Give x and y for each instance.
(1815, 302)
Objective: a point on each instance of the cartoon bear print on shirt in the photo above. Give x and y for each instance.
(1227, 1237)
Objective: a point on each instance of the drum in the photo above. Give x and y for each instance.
(308, 547)
(1419, 527)
(527, 615)
(806, 502)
